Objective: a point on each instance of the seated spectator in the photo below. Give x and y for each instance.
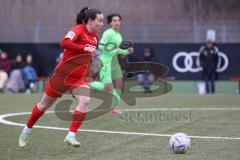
(5, 67)
(146, 78)
(15, 83)
(29, 74)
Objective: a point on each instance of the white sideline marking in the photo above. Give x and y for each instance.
(3, 121)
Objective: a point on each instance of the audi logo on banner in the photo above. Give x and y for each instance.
(191, 62)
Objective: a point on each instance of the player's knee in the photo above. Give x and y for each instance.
(46, 102)
(118, 84)
(108, 87)
(43, 106)
(84, 100)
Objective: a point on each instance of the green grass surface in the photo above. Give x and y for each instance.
(48, 144)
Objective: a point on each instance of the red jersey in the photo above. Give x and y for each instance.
(74, 58)
(73, 69)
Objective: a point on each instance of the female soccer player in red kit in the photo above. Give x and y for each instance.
(71, 74)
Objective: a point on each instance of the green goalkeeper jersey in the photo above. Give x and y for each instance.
(110, 69)
(109, 58)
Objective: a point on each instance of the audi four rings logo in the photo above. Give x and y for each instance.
(191, 62)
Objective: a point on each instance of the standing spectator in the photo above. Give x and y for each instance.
(29, 73)
(209, 60)
(146, 78)
(5, 67)
(15, 83)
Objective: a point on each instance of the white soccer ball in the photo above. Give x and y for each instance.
(180, 143)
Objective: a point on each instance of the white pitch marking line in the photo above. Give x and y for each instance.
(182, 109)
(3, 121)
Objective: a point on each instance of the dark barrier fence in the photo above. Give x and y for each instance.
(45, 55)
(181, 59)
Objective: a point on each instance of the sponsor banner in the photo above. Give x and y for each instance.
(181, 59)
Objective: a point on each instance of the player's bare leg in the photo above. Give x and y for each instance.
(82, 95)
(37, 112)
(118, 84)
(109, 88)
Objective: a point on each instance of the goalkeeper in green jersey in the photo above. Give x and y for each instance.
(110, 72)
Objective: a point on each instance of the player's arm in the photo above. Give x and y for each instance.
(216, 55)
(201, 56)
(122, 51)
(125, 51)
(105, 40)
(68, 42)
(125, 47)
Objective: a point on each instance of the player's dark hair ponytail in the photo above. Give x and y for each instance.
(85, 14)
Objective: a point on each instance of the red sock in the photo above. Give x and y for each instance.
(36, 114)
(78, 118)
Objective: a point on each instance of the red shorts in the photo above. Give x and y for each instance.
(59, 83)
